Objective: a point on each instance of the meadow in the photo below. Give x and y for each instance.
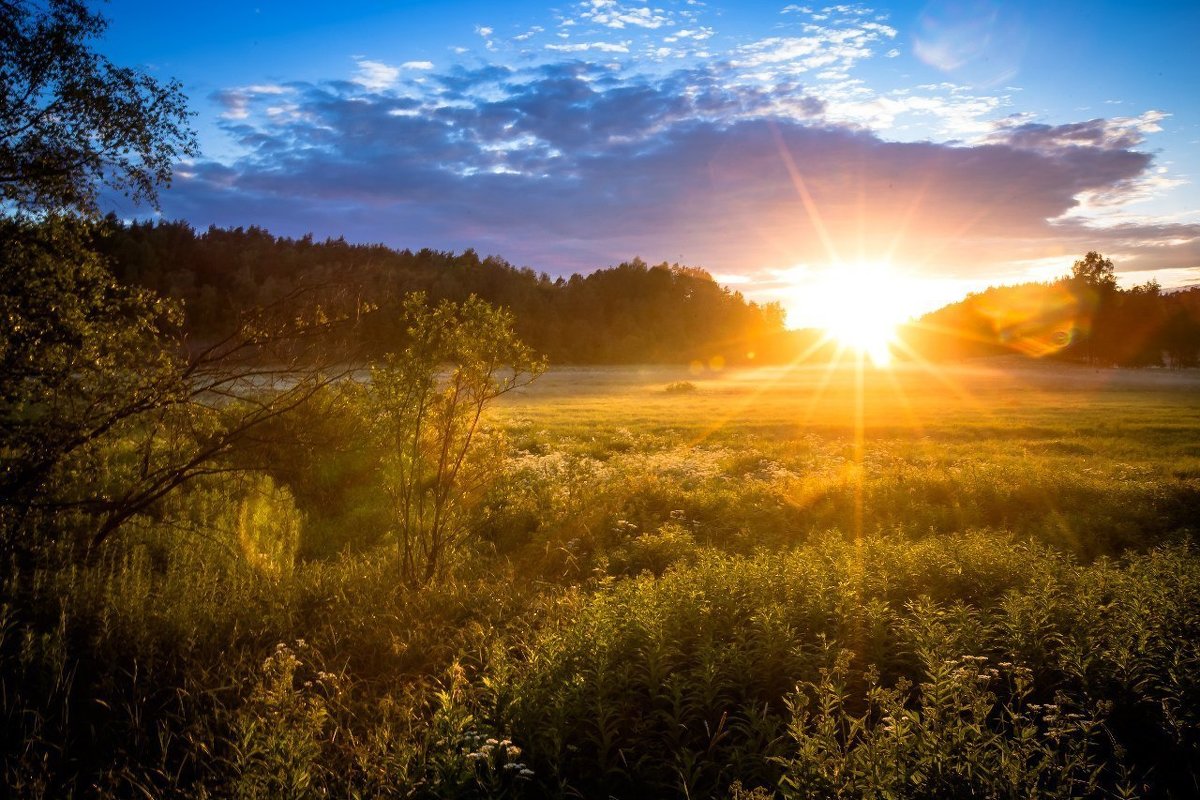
(976, 580)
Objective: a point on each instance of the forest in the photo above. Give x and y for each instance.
(631, 313)
(634, 313)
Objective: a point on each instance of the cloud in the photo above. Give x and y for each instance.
(612, 14)
(582, 47)
(1108, 134)
(588, 151)
(485, 33)
(529, 34)
(375, 76)
(820, 47)
(567, 166)
(235, 103)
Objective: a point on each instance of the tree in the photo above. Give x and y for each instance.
(1096, 271)
(1094, 283)
(105, 408)
(426, 404)
(71, 121)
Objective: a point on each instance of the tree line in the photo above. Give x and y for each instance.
(631, 313)
(1084, 316)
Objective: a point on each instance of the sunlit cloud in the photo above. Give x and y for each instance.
(749, 160)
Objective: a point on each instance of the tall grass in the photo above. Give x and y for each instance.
(692, 597)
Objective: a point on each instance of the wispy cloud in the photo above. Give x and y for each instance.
(583, 47)
(236, 102)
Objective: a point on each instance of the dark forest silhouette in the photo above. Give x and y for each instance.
(633, 312)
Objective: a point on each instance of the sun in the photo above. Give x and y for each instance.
(858, 305)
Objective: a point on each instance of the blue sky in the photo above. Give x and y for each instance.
(963, 142)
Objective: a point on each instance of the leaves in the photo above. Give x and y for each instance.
(71, 121)
(426, 405)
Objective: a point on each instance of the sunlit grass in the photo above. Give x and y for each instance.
(1002, 396)
(704, 577)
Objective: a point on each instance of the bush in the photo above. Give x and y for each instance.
(696, 674)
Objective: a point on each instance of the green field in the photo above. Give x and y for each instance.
(1000, 394)
(1085, 458)
(973, 580)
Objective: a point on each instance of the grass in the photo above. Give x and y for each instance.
(975, 582)
(1093, 460)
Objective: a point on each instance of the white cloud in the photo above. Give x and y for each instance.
(267, 88)
(529, 34)
(613, 14)
(581, 47)
(417, 65)
(375, 76)
(697, 35)
(236, 101)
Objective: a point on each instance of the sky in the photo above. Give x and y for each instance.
(948, 145)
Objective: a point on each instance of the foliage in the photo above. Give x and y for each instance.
(1096, 271)
(650, 594)
(70, 120)
(429, 423)
(69, 333)
(955, 740)
(630, 313)
(678, 685)
(106, 409)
